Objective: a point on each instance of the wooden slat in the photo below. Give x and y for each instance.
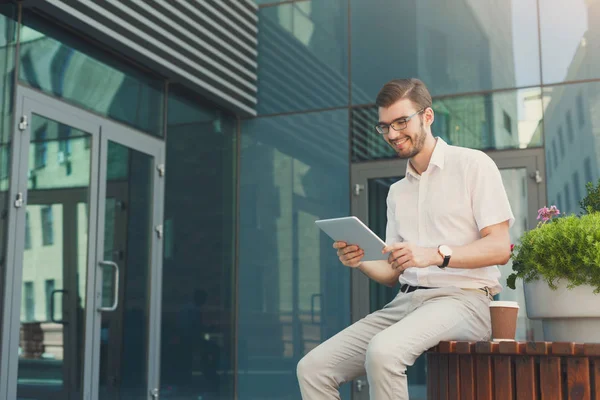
(484, 374)
(452, 380)
(484, 369)
(453, 377)
(446, 347)
(465, 347)
(443, 376)
(433, 388)
(467, 377)
(503, 378)
(486, 347)
(578, 378)
(563, 349)
(551, 378)
(511, 348)
(591, 349)
(595, 366)
(526, 378)
(538, 348)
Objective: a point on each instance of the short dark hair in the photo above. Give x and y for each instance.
(412, 89)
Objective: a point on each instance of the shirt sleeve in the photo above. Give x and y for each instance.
(488, 194)
(391, 232)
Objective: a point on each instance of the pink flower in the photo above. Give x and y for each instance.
(512, 246)
(546, 213)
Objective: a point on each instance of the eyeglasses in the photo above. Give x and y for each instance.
(396, 125)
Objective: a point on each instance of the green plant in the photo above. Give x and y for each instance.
(591, 201)
(566, 248)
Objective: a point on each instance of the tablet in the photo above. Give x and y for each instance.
(352, 231)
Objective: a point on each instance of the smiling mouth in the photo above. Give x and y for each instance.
(400, 142)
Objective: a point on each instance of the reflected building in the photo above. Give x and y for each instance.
(453, 48)
(572, 129)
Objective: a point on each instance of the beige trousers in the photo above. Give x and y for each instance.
(385, 342)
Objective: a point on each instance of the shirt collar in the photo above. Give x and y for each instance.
(437, 158)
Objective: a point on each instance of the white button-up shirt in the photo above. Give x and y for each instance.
(459, 194)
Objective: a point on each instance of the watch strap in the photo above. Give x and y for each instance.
(446, 262)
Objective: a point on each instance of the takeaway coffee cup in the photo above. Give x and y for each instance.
(504, 320)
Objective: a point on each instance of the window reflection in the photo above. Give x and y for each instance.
(302, 56)
(293, 290)
(54, 261)
(198, 299)
(454, 46)
(61, 65)
(578, 161)
(570, 35)
(500, 120)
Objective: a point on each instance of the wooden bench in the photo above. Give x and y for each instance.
(513, 370)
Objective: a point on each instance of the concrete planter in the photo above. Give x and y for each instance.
(567, 315)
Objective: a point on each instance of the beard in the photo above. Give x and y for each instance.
(417, 144)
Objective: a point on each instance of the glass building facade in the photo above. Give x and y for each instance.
(240, 280)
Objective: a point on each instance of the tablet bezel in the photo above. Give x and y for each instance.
(354, 232)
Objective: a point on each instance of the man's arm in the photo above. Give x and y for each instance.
(492, 249)
(380, 271)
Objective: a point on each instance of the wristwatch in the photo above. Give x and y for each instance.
(445, 252)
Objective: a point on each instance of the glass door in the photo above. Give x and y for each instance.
(522, 173)
(52, 252)
(86, 259)
(127, 251)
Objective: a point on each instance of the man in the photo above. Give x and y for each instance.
(447, 230)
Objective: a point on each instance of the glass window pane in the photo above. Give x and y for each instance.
(198, 299)
(454, 46)
(302, 54)
(500, 120)
(60, 64)
(293, 292)
(587, 166)
(569, 36)
(55, 149)
(579, 157)
(127, 239)
(54, 264)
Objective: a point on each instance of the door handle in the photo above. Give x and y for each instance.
(536, 176)
(116, 286)
(358, 188)
(62, 321)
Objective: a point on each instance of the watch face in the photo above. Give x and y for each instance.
(445, 250)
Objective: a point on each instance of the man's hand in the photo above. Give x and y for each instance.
(350, 255)
(405, 255)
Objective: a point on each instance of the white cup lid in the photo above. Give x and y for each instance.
(510, 304)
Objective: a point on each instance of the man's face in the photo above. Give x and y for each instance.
(409, 141)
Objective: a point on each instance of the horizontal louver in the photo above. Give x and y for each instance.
(208, 46)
